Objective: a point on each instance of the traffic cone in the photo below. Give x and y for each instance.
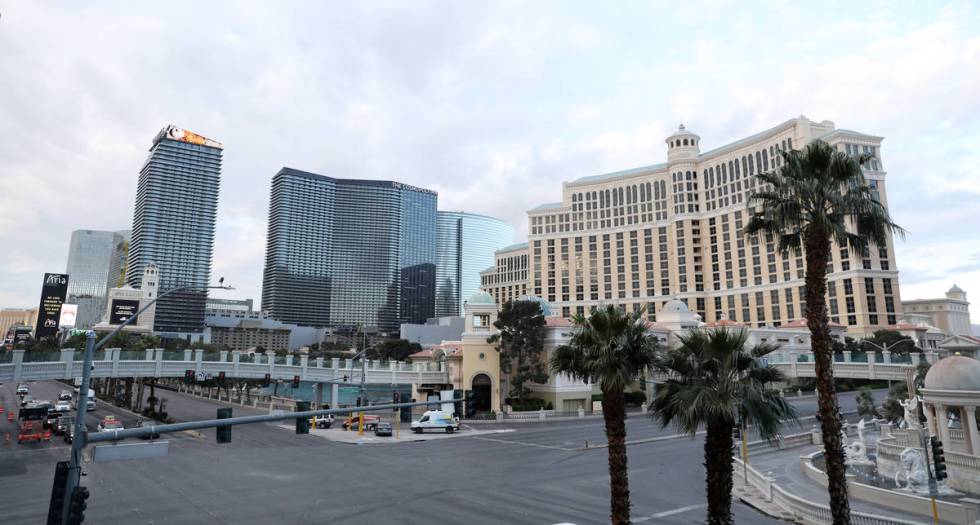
(10, 417)
(1, 409)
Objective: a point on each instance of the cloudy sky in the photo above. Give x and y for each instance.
(492, 104)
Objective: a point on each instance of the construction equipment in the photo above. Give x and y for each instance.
(32, 426)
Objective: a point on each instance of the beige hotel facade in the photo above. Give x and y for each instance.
(643, 236)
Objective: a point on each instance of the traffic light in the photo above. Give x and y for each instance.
(267, 380)
(470, 404)
(58, 493)
(295, 381)
(395, 396)
(223, 433)
(345, 378)
(77, 505)
(189, 376)
(457, 403)
(302, 423)
(938, 458)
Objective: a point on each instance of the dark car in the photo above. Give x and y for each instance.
(146, 423)
(382, 428)
(69, 434)
(64, 424)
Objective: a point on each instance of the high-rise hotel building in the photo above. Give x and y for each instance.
(642, 236)
(96, 263)
(173, 224)
(349, 253)
(465, 245)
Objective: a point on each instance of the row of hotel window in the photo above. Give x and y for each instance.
(776, 309)
(721, 182)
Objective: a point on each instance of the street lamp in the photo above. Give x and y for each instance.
(79, 442)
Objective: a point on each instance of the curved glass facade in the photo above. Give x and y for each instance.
(96, 262)
(349, 253)
(465, 247)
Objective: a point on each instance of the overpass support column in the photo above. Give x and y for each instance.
(236, 356)
(304, 361)
(115, 360)
(68, 358)
(334, 395)
(886, 357)
(158, 356)
(931, 356)
(847, 356)
(916, 356)
(198, 357)
(317, 395)
(18, 361)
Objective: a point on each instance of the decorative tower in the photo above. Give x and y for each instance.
(481, 360)
(149, 286)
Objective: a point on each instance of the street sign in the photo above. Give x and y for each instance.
(153, 449)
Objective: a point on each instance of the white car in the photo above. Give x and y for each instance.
(62, 406)
(436, 420)
(65, 395)
(89, 405)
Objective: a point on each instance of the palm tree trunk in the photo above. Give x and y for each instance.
(817, 255)
(718, 472)
(614, 415)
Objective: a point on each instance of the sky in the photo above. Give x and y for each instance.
(491, 104)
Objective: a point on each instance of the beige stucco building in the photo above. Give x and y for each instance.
(642, 236)
(16, 316)
(951, 314)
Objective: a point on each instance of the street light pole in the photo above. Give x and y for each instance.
(81, 406)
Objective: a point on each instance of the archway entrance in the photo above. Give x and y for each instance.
(481, 389)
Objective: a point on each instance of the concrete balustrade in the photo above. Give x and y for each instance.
(152, 364)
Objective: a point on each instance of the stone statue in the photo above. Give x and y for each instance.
(857, 451)
(912, 467)
(911, 412)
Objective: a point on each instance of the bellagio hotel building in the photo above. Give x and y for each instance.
(643, 236)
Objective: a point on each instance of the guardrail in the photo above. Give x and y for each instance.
(157, 363)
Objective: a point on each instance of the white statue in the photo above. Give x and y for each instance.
(911, 412)
(857, 451)
(912, 467)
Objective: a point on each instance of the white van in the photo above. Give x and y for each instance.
(436, 420)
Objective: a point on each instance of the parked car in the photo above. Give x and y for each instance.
(110, 423)
(23, 389)
(64, 424)
(146, 423)
(436, 420)
(65, 395)
(322, 421)
(383, 428)
(370, 421)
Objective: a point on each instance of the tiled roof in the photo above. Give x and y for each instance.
(557, 321)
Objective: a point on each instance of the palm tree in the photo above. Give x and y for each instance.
(819, 196)
(715, 382)
(612, 348)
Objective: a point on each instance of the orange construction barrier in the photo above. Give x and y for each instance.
(1, 409)
(10, 417)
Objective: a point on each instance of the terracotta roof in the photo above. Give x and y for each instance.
(452, 349)
(801, 323)
(557, 321)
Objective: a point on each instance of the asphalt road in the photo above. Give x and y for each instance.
(535, 474)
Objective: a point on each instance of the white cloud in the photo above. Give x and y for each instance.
(492, 105)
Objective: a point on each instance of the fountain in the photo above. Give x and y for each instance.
(856, 452)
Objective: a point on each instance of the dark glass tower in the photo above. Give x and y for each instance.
(465, 247)
(349, 253)
(173, 224)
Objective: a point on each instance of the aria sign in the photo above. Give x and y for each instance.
(53, 292)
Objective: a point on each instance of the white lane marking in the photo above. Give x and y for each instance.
(537, 445)
(671, 512)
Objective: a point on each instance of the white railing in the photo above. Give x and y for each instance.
(802, 509)
(152, 363)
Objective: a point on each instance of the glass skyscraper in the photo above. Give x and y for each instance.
(173, 224)
(96, 262)
(349, 253)
(465, 246)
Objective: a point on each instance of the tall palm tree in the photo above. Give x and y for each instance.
(715, 382)
(612, 348)
(819, 196)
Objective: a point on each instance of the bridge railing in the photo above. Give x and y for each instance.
(112, 362)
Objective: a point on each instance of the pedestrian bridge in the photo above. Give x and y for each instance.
(19, 365)
(870, 365)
